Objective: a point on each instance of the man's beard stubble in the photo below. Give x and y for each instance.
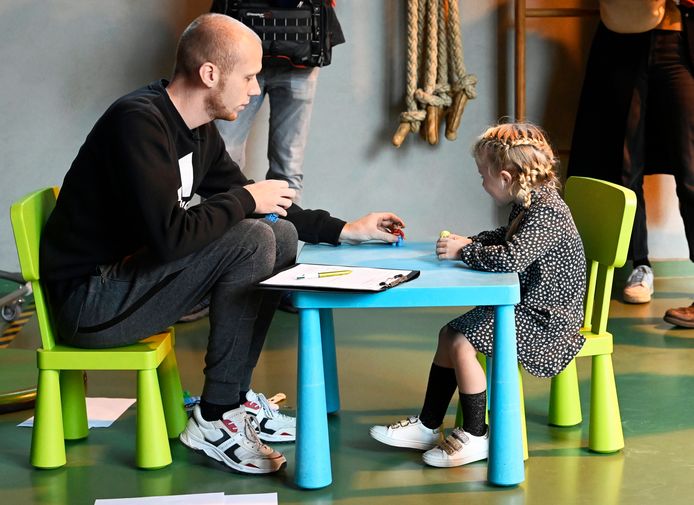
(214, 105)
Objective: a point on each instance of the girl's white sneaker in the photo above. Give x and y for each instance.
(459, 448)
(409, 432)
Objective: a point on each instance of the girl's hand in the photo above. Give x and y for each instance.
(448, 248)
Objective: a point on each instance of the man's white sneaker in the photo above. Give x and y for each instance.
(459, 448)
(639, 286)
(409, 432)
(233, 441)
(274, 426)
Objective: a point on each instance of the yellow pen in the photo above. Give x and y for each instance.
(318, 275)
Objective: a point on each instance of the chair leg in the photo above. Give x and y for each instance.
(564, 398)
(72, 396)
(152, 446)
(605, 433)
(172, 395)
(47, 441)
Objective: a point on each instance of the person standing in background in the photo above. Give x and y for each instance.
(291, 90)
(636, 117)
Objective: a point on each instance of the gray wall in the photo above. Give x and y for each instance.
(65, 61)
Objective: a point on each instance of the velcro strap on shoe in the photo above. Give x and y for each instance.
(460, 435)
(451, 445)
(405, 422)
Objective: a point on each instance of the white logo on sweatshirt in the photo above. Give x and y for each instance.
(185, 167)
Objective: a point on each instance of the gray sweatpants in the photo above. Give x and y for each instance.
(139, 296)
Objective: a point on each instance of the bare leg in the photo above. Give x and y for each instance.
(456, 351)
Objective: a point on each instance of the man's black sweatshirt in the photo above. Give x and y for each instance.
(130, 187)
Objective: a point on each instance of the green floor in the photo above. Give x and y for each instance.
(384, 357)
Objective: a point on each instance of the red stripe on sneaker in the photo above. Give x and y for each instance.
(230, 425)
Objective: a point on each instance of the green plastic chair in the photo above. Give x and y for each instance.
(604, 216)
(61, 412)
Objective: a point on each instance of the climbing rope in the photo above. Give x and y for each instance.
(434, 53)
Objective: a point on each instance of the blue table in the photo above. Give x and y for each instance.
(441, 284)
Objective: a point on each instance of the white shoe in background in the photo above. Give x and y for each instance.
(639, 286)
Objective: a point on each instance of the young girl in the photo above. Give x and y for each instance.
(541, 243)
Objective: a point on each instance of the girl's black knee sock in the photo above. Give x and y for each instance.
(440, 388)
(474, 408)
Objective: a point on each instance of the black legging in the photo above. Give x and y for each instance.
(661, 118)
(636, 117)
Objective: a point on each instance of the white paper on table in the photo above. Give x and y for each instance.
(182, 499)
(101, 412)
(307, 276)
(251, 499)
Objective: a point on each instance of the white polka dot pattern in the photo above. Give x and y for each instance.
(547, 252)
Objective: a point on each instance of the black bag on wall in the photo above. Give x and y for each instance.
(297, 33)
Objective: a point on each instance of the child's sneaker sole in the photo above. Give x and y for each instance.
(438, 462)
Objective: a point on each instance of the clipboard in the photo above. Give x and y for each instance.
(307, 277)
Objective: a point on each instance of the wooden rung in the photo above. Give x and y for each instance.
(560, 13)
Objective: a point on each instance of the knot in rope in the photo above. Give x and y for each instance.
(432, 98)
(414, 116)
(434, 55)
(466, 85)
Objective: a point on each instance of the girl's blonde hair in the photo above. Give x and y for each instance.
(523, 150)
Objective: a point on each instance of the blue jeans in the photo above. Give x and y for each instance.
(291, 91)
(138, 296)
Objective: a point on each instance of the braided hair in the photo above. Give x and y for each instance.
(523, 150)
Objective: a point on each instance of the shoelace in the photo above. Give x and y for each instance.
(268, 410)
(638, 275)
(252, 429)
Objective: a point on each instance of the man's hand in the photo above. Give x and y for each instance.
(448, 248)
(271, 196)
(373, 226)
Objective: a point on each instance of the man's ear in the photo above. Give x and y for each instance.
(209, 74)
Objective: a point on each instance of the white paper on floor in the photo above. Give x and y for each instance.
(101, 412)
(183, 499)
(196, 499)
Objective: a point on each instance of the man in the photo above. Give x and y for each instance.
(124, 255)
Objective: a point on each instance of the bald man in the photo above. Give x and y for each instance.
(125, 253)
